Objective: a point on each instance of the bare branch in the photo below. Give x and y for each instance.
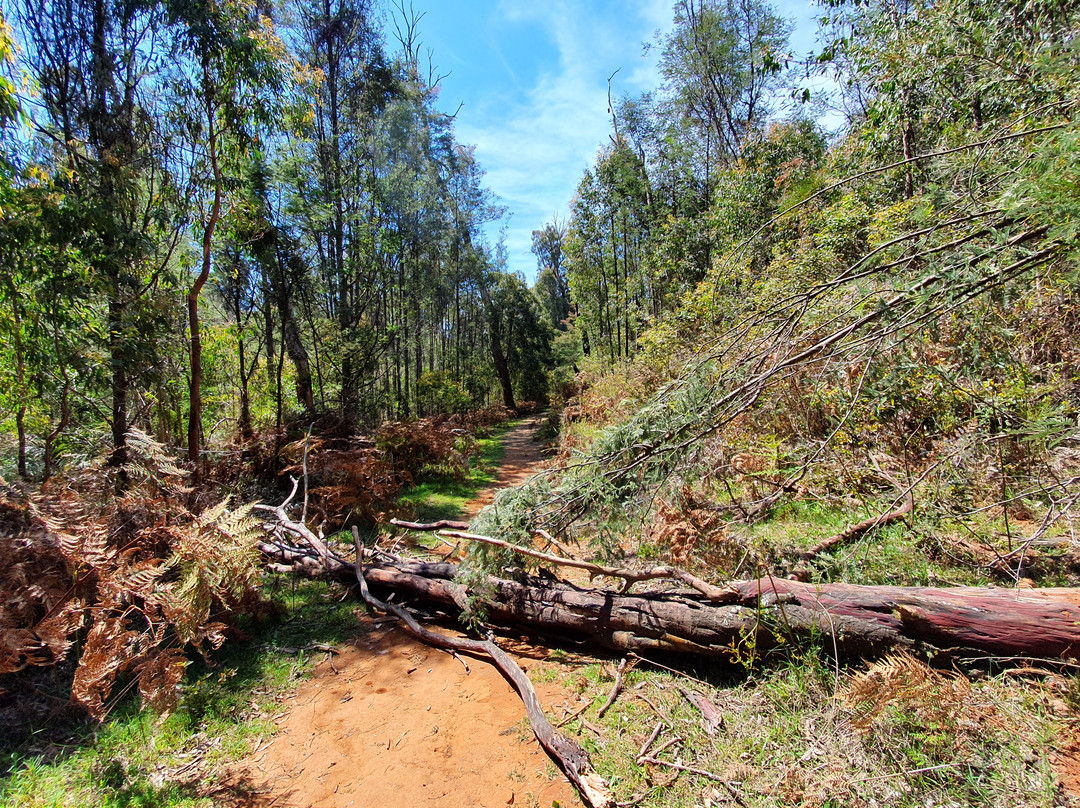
(714, 593)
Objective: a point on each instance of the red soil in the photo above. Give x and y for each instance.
(391, 722)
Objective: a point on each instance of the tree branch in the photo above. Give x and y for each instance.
(630, 576)
(571, 757)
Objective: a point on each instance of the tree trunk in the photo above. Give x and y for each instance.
(294, 346)
(246, 432)
(194, 434)
(20, 381)
(502, 368)
(762, 616)
(119, 384)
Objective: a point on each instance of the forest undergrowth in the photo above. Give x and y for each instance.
(117, 580)
(848, 359)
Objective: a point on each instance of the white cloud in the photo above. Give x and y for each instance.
(536, 147)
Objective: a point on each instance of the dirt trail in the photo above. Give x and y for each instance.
(393, 723)
(521, 459)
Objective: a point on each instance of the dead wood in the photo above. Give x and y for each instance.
(649, 741)
(629, 576)
(770, 614)
(679, 766)
(712, 718)
(616, 688)
(850, 534)
(571, 716)
(442, 524)
(566, 752)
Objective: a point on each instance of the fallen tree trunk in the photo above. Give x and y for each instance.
(766, 614)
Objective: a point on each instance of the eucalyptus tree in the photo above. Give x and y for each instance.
(335, 178)
(927, 75)
(608, 230)
(552, 288)
(720, 63)
(231, 73)
(94, 62)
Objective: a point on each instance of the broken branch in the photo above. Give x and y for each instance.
(442, 524)
(714, 593)
(853, 532)
(617, 687)
(566, 752)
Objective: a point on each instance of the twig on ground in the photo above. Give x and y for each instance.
(618, 686)
(649, 741)
(670, 742)
(712, 718)
(655, 709)
(585, 723)
(852, 532)
(570, 717)
(460, 659)
(700, 773)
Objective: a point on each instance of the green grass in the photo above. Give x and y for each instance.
(227, 706)
(895, 554)
(446, 498)
(787, 740)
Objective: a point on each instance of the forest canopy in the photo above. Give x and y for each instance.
(284, 171)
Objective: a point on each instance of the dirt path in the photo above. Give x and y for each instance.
(394, 723)
(521, 459)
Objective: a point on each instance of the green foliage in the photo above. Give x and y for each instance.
(440, 394)
(898, 307)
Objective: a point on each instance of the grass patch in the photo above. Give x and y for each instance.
(796, 733)
(228, 704)
(895, 554)
(446, 498)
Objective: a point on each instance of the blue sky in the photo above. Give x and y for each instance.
(531, 76)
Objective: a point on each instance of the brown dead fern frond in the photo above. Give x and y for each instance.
(896, 679)
(159, 679)
(217, 564)
(903, 689)
(150, 462)
(134, 579)
(110, 646)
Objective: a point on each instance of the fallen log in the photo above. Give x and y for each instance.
(767, 615)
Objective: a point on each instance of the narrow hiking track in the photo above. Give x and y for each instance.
(521, 459)
(391, 722)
